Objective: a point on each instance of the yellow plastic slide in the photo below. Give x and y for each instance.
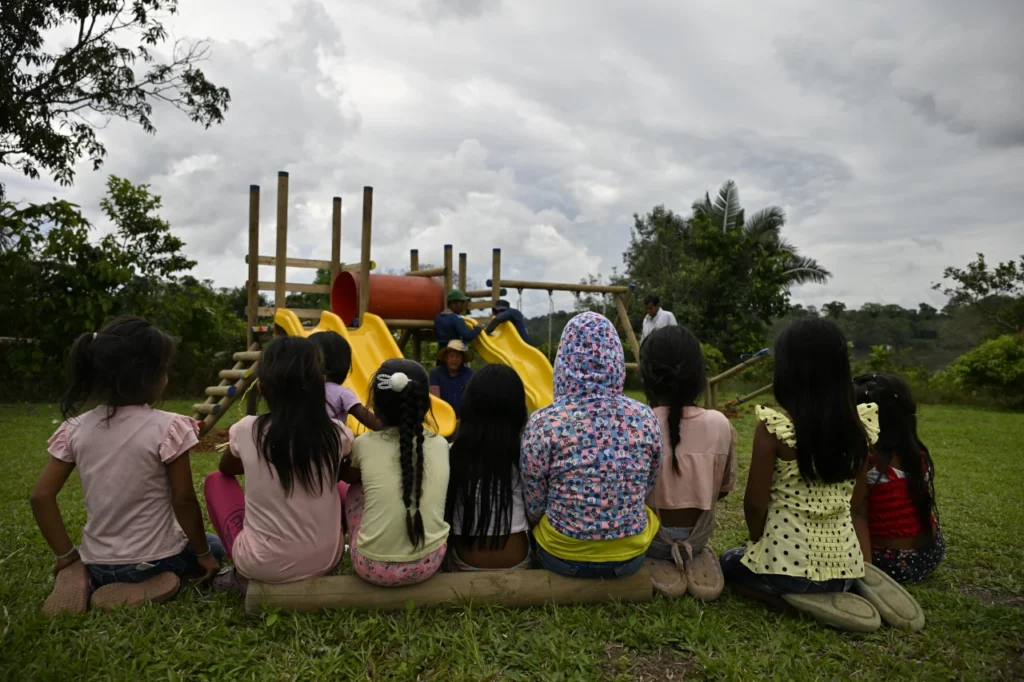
(508, 348)
(372, 344)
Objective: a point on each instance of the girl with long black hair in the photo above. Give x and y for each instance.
(287, 524)
(399, 477)
(906, 541)
(698, 465)
(485, 506)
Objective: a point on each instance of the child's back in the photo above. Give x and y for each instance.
(706, 459)
(122, 465)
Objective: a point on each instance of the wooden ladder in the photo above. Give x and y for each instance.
(232, 386)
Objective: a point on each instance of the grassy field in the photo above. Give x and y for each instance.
(974, 603)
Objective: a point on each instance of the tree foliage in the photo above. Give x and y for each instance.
(998, 294)
(58, 281)
(52, 101)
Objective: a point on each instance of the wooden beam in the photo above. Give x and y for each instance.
(628, 327)
(448, 269)
(301, 313)
(414, 260)
(463, 272)
(246, 356)
(506, 588)
(364, 259)
(485, 293)
(495, 281)
(753, 360)
(204, 408)
(480, 305)
(220, 391)
(252, 291)
(561, 286)
(409, 324)
(310, 263)
(417, 345)
(335, 239)
(297, 286)
(428, 272)
(280, 274)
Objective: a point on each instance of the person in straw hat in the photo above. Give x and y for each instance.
(448, 380)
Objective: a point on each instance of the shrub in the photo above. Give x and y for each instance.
(994, 368)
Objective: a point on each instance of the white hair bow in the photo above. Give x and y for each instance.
(396, 382)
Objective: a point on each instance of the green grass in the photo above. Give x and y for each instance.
(974, 603)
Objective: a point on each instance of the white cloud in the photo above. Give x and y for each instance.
(890, 133)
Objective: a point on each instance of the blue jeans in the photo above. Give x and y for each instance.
(660, 550)
(767, 583)
(589, 569)
(183, 563)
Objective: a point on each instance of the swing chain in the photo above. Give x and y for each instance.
(519, 304)
(551, 316)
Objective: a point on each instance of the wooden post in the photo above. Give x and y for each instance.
(626, 325)
(414, 260)
(417, 345)
(709, 396)
(495, 275)
(281, 274)
(335, 239)
(449, 269)
(253, 283)
(364, 260)
(463, 273)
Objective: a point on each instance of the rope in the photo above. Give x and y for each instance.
(240, 402)
(551, 317)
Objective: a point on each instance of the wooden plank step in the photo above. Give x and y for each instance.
(203, 408)
(246, 356)
(221, 391)
(235, 374)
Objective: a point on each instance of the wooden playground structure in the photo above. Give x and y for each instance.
(407, 303)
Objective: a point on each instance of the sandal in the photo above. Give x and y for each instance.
(706, 579)
(668, 579)
(841, 610)
(71, 590)
(157, 589)
(895, 605)
(230, 580)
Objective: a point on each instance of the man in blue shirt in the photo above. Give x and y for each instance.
(448, 380)
(449, 325)
(503, 312)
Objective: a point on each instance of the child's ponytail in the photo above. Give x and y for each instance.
(83, 375)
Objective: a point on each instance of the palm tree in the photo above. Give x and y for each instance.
(763, 230)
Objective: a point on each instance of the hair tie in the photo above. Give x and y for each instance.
(395, 382)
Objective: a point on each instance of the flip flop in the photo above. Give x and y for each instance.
(841, 610)
(71, 590)
(667, 579)
(895, 605)
(706, 579)
(157, 589)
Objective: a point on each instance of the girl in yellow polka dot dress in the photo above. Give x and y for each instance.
(806, 496)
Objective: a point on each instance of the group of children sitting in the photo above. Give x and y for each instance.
(596, 485)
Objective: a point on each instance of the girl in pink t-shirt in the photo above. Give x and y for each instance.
(698, 465)
(144, 527)
(287, 524)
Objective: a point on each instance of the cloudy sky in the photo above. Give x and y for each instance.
(891, 133)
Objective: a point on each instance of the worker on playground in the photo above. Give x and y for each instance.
(144, 527)
(503, 312)
(657, 317)
(449, 325)
(448, 380)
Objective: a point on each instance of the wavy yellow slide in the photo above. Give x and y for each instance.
(371, 344)
(505, 346)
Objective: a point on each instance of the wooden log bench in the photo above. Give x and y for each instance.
(534, 587)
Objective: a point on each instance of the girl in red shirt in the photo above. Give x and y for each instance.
(906, 541)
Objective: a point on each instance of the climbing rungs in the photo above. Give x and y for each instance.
(221, 391)
(246, 356)
(204, 408)
(235, 374)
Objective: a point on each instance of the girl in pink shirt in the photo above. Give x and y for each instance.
(144, 527)
(698, 465)
(287, 524)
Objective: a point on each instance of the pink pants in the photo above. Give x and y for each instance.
(385, 573)
(225, 503)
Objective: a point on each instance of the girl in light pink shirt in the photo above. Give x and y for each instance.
(144, 527)
(287, 524)
(698, 465)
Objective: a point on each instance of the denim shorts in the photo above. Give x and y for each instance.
(589, 569)
(183, 563)
(767, 583)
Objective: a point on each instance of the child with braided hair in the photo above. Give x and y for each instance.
(399, 475)
(698, 465)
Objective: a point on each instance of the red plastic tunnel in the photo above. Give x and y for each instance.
(392, 297)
